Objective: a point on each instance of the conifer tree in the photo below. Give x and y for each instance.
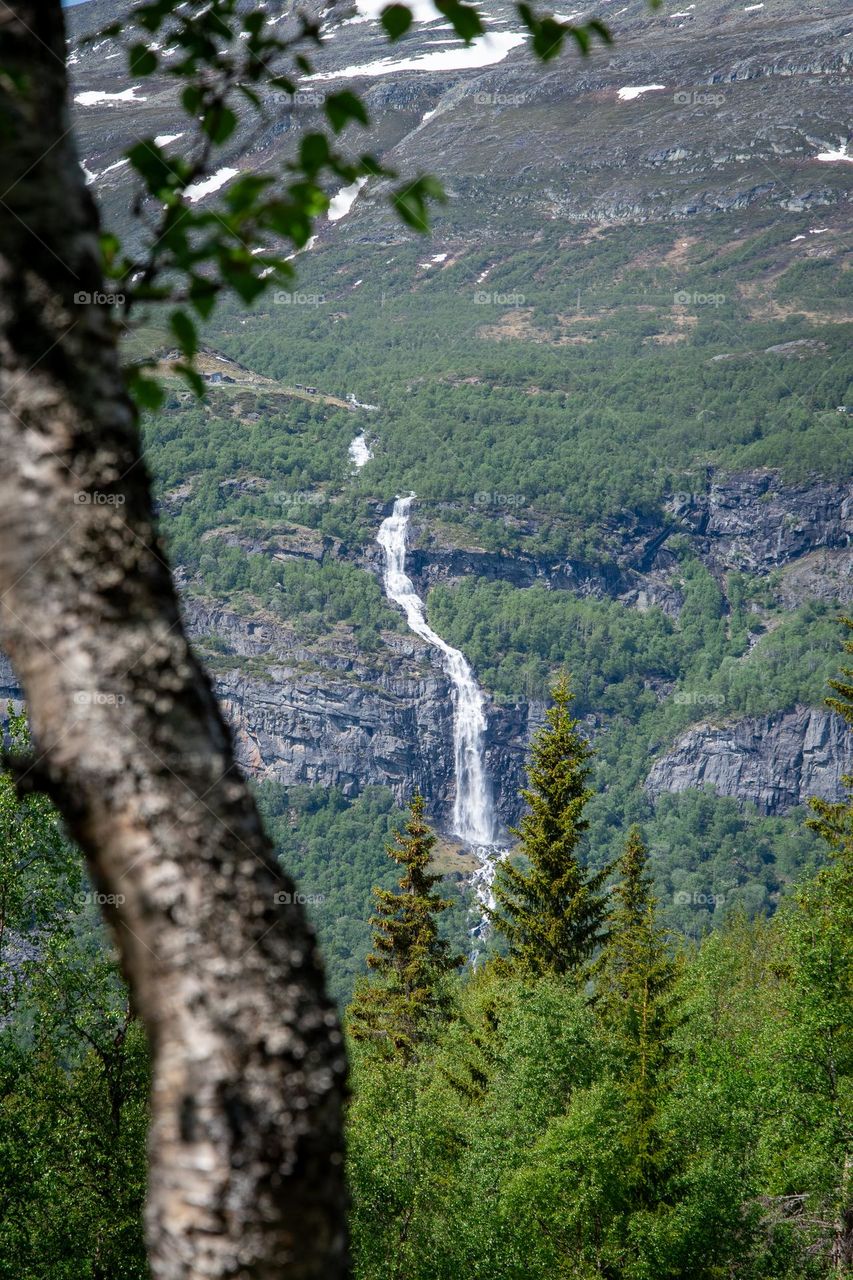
(552, 912)
(409, 961)
(634, 978)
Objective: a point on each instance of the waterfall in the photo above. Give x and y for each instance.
(360, 451)
(473, 816)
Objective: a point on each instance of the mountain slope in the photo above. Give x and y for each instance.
(612, 376)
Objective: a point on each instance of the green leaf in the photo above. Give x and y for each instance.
(192, 377)
(464, 18)
(243, 192)
(289, 220)
(152, 16)
(141, 60)
(250, 95)
(253, 22)
(219, 123)
(410, 201)
(243, 281)
(396, 20)
(314, 152)
(371, 166)
(343, 107)
(549, 36)
(580, 35)
(105, 33)
(600, 29)
(309, 198)
(191, 98)
(527, 15)
(110, 249)
(152, 166)
(216, 23)
(146, 392)
(185, 332)
(202, 296)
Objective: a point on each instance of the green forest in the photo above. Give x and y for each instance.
(597, 1095)
(556, 439)
(539, 426)
(670, 1098)
(658, 1087)
(370, 427)
(537, 447)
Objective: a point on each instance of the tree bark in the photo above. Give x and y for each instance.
(246, 1166)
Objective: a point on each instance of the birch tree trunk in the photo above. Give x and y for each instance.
(246, 1176)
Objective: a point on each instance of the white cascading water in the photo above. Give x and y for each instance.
(473, 814)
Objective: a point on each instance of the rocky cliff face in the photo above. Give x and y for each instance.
(341, 717)
(9, 689)
(753, 522)
(775, 762)
(335, 715)
(749, 521)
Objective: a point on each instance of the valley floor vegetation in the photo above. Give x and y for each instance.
(597, 1098)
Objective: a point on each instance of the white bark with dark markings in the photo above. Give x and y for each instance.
(246, 1161)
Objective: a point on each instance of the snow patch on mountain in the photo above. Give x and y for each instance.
(343, 201)
(206, 186)
(492, 48)
(840, 153)
(630, 92)
(94, 97)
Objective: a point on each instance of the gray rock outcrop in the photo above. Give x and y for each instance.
(338, 716)
(335, 714)
(776, 762)
(754, 522)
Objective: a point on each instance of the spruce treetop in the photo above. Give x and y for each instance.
(408, 960)
(634, 979)
(552, 913)
(634, 966)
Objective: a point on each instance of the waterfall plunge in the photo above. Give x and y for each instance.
(473, 814)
